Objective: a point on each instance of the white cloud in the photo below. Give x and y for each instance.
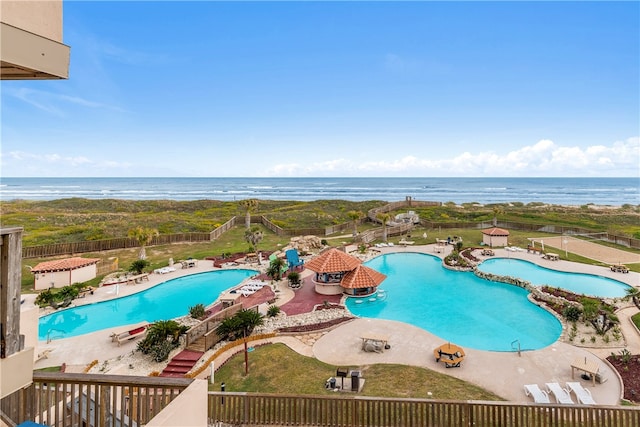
(545, 158)
(54, 103)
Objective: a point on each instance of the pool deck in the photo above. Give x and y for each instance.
(503, 373)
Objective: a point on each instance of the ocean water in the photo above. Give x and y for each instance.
(566, 191)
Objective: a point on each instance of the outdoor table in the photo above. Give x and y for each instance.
(378, 341)
(552, 257)
(587, 366)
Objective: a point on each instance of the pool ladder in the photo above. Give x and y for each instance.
(513, 347)
(51, 330)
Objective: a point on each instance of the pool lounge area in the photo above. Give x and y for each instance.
(540, 363)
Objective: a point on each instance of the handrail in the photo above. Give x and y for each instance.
(513, 348)
(49, 333)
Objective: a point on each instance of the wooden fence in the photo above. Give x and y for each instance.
(352, 411)
(61, 399)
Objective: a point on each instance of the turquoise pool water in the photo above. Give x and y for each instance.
(456, 306)
(577, 283)
(165, 301)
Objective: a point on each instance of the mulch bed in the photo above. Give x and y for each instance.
(316, 326)
(630, 373)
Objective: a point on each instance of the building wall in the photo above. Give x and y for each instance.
(495, 241)
(64, 278)
(39, 17)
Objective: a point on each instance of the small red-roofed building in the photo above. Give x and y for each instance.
(64, 272)
(495, 237)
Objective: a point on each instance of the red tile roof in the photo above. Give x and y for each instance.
(64, 264)
(362, 277)
(495, 231)
(332, 261)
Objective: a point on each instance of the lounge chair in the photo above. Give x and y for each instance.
(129, 333)
(582, 394)
(539, 396)
(294, 259)
(246, 292)
(561, 394)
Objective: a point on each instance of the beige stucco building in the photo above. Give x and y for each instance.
(31, 40)
(495, 237)
(64, 272)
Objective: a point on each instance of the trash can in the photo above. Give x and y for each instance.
(332, 383)
(355, 380)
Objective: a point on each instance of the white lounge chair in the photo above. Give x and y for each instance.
(539, 396)
(561, 394)
(582, 394)
(246, 292)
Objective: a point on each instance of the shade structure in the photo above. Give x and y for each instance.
(332, 261)
(362, 277)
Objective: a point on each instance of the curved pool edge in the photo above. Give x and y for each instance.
(106, 294)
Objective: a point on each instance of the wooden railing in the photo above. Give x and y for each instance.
(209, 325)
(270, 409)
(61, 399)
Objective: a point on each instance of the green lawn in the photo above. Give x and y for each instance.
(275, 368)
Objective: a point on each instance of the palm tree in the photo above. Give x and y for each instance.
(253, 236)
(275, 268)
(383, 217)
(355, 216)
(241, 325)
(249, 205)
(633, 294)
(144, 236)
(497, 210)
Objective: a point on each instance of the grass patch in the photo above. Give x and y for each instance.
(275, 368)
(636, 320)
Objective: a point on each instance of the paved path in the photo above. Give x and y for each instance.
(502, 373)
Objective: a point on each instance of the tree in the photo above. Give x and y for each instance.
(241, 325)
(253, 236)
(162, 337)
(384, 217)
(497, 210)
(249, 205)
(276, 266)
(355, 216)
(144, 236)
(633, 294)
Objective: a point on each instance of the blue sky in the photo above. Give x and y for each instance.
(418, 89)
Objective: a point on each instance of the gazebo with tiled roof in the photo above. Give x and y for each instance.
(495, 237)
(331, 266)
(362, 281)
(64, 272)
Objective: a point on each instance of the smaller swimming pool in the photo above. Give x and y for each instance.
(578, 283)
(165, 301)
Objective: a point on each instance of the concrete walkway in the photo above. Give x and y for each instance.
(502, 373)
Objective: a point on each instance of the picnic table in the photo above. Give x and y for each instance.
(619, 268)
(449, 354)
(551, 256)
(374, 342)
(587, 366)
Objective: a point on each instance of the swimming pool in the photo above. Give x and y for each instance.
(577, 283)
(165, 301)
(456, 306)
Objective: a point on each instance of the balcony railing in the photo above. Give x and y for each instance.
(351, 411)
(61, 399)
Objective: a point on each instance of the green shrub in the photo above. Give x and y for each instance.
(138, 266)
(44, 298)
(197, 311)
(571, 313)
(273, 311)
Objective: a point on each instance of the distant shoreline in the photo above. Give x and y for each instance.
(551, 191)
